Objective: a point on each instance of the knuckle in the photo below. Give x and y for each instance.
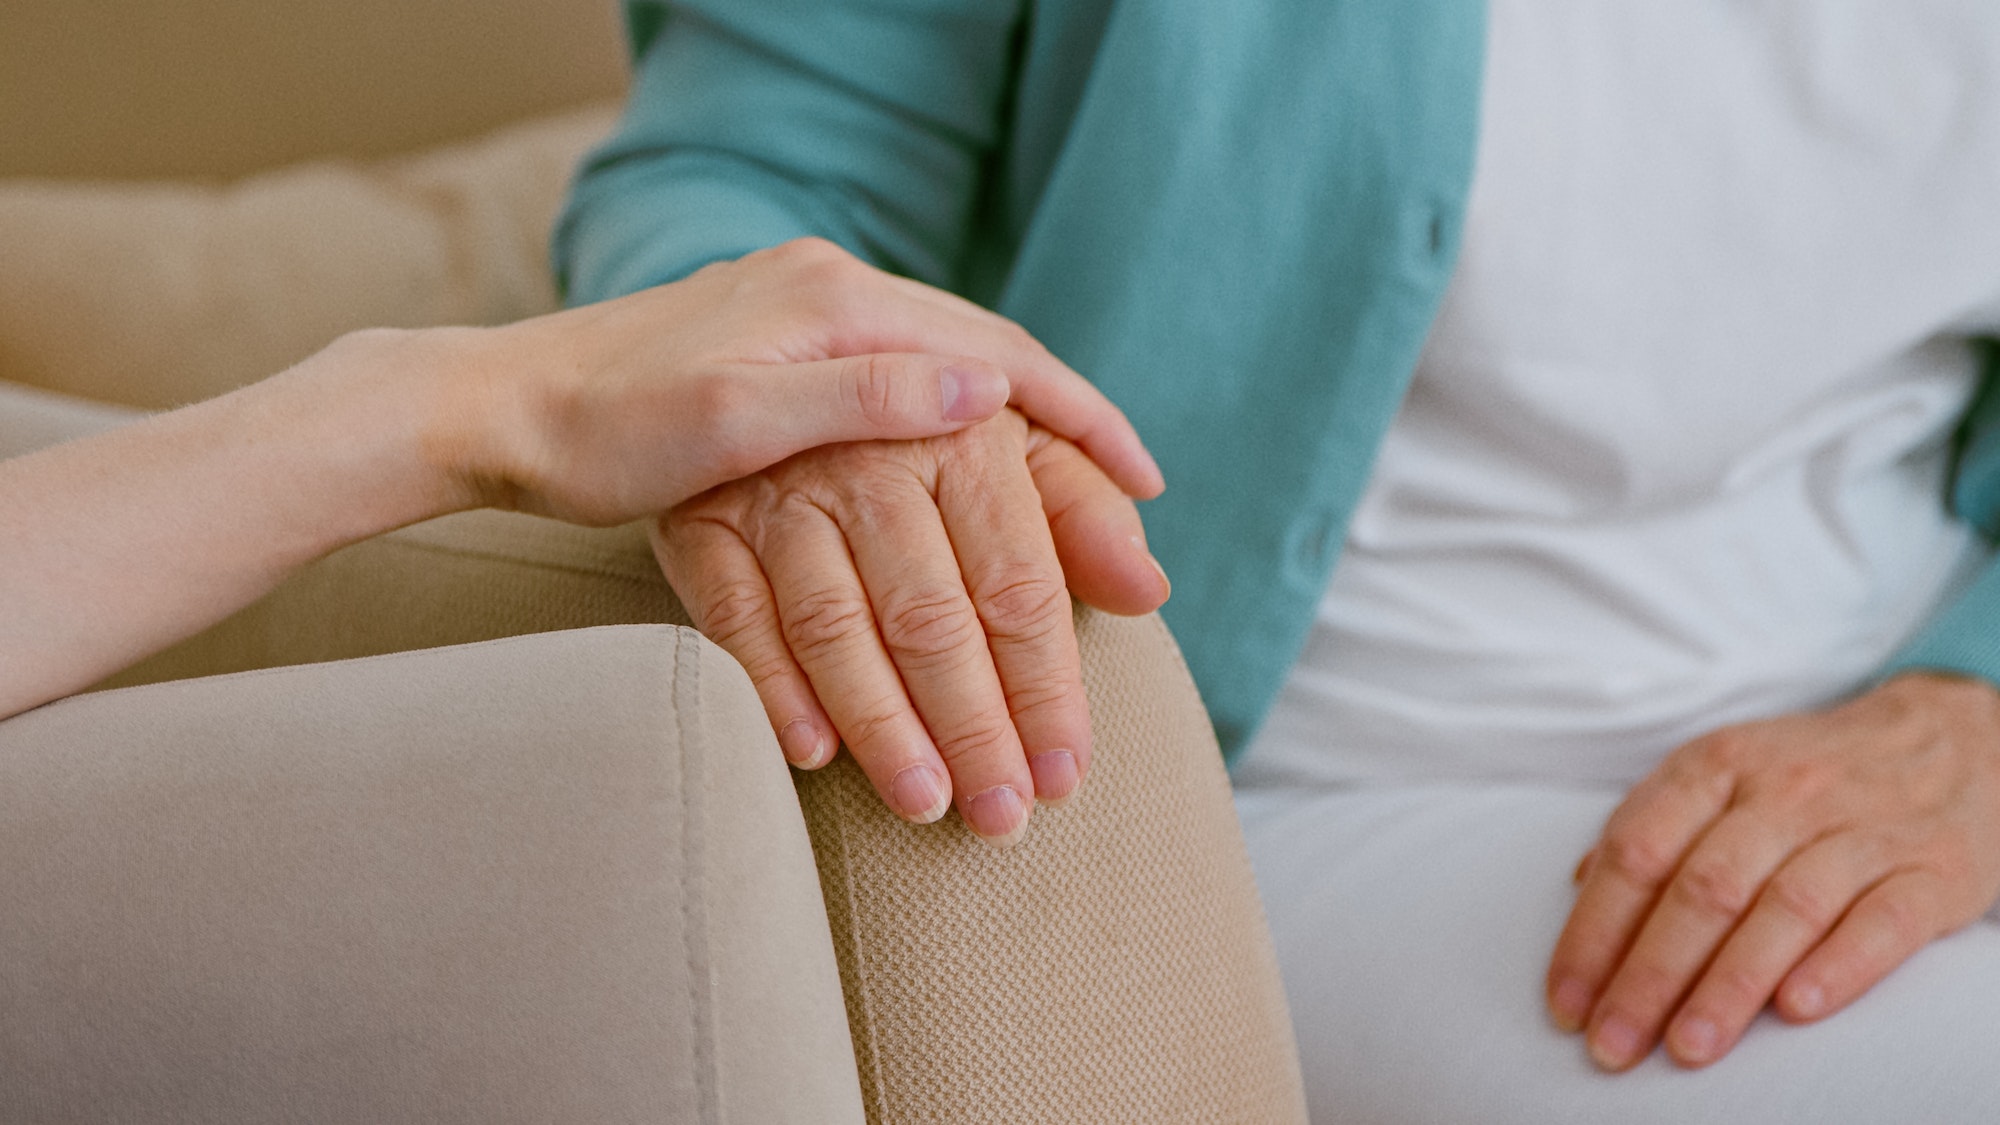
(728, 408)
(1715, 888)
(1905, 918)
(875, 392)
(1637, 858)
(927, 621)
(733, 613)
(985, 739)
(1951, 859)
(1726, 750)
(822, 621)
(1643, 987)
(1801, 900)
(1021, 602)
(1735, 988)
(808, 252)
(1799, 782)
(1050, 692)
(874, 725)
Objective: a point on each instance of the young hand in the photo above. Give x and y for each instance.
(614, 411)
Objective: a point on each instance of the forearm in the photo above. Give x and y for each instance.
(115, 546)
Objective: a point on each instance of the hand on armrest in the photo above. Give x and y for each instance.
(115, 546)
(909, 598)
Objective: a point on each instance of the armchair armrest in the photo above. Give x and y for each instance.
(1119, 953)
(554, 878)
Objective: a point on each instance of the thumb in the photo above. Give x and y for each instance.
(881, 396)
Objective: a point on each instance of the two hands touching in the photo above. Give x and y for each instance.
(115, 546)
(910, 598)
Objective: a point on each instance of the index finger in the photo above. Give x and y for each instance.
(1642, 847)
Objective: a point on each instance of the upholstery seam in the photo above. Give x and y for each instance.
(643, 577)
(694, 887)
(384, 657)
(861, 974)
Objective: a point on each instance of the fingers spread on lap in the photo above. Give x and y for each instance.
(1885, 927)
(1796, 909)
(1710, 892)
(1794, 861)
(1633, 863)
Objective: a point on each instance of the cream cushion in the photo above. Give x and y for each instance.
(551, 878)
(159, 293)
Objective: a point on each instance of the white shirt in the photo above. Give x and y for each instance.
(1675, 453)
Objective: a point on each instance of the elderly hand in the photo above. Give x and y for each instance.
(909, 597)
(1794, 861)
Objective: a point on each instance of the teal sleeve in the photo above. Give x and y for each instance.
(1965, 638)
(752, 122)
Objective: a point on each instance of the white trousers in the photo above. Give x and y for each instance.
(1414, 924)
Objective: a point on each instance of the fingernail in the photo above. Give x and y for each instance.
(920, 794)
(1615, 1044)
(1055, 775)
(997, 815)
(802, 743)
(971, 393)
(1570, 1004)
(1806, 1001)
(1165, 582)
(1694, 1040)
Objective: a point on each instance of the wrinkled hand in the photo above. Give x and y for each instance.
(909, 598)
(1795, 861)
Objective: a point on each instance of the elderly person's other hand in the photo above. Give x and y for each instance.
(1795, 861)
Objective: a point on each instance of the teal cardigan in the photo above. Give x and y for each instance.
(1236, 218)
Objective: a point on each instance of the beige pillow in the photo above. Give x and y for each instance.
(155, 294)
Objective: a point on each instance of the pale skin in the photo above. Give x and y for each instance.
(115, 546)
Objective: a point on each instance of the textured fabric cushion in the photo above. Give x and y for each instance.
(465, 578)
(156, 294)
(555, 878)
(1119, 953)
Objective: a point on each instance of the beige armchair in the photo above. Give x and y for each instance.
(314, 865)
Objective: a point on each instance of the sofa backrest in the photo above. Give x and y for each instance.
(172, 88)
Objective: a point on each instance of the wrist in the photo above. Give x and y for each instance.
(447, 420)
